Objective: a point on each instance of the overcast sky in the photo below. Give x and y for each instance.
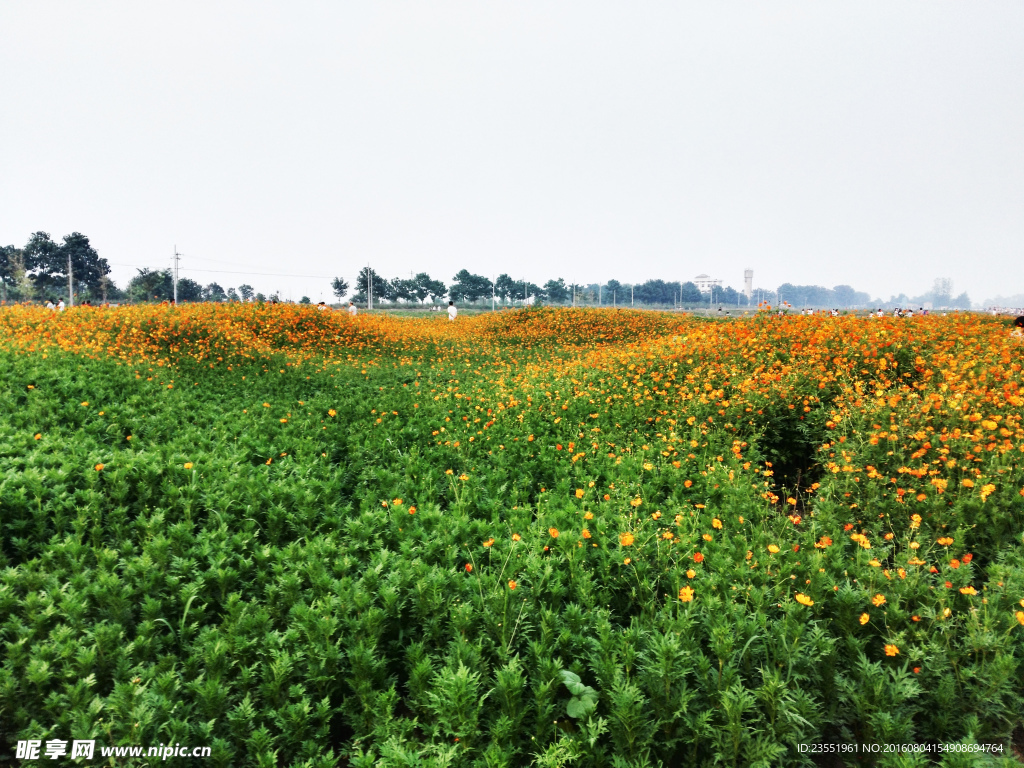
(874, 144)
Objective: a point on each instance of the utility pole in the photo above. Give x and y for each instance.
(599, 288)
(369, 287)
(176, 257)
(71, 286)
(492, 294)
(631, 295)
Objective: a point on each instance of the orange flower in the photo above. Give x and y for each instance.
(691, 573)
(891, 650)
(397, 502)
(579, 493)
(1019, 615)
(516, 537)
(636, 502)
(512, 584)
(98, 467)
(687, 483)
(945, 541)
(864, 618)
(716, 523)
(469, 567)
(686, 594)
(878, 600)
(954, 563)
(39, 436)
(823, 542)
(626, 539)
(698, 557)
(586, 534)
(588, 515)
(553, 532)
(332, 413)
(412, 510)
(968, 590)
(489, 542)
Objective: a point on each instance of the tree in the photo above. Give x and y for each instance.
(305, 300)
(213, 292)
(232, 293)
(424, 287)
(689, 293)
(339, 286)
(401, 290)
(505, 288)
(14, 283)
(245, 291)
(556, 291)
(469, 287)
(260, 297)
(613, 292)
(189, 290)
(49, 263)
(368, 278)
(151, 285)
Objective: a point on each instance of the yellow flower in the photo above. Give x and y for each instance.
(579, 493)
(39, 435)
(636, 502)
(716, 523)
(1020, 617)
(864, 619)
(463, 478)
(803, 599)
(516, 537)
(85, 403)
(188, 465)
(648, 466)
(588, 515)
(707, 537)
(691, 573)
(627, 561)
(332, 413)
(686, 594)
(553, 532)
(968, 591)
(891, 650)
(945, 541)
(489, 542)
(667, 535)
(878, 600)
(773, 549)
(626, 539)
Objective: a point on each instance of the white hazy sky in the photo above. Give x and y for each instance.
(874, 144)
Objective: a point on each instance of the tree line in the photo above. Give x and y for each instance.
(45, 269)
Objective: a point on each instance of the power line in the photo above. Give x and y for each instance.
(228, 272)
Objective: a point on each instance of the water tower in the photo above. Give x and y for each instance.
(748, 282)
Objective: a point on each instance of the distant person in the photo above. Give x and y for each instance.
(60, 305)
(452, 311)
(1018, 327)
(50, 304)
(352, 309)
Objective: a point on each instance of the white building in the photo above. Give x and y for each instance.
(705, 283)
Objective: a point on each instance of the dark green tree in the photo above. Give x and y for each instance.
(556, 291)
(469, 287)
(689, 293)
(232, 294)
(305, 300)
(245, 291)
(213, 292)
(189, 290)
(151, 285)
(339, 286)
(427, 288)
(49, 264)
(369, 278)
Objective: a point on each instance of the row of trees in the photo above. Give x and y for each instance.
(44, 269)
(467, 287)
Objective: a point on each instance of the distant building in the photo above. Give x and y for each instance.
(748, 282)
(705, 283)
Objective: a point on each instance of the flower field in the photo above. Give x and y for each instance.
(552, 537)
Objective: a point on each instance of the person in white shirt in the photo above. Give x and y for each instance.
(50, 304)
(452, 311)
(60, 305)
(352, 309)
